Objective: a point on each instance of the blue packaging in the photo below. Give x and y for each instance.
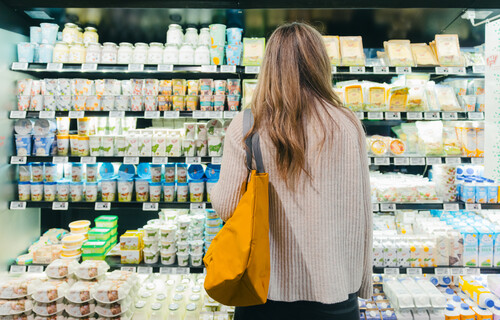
(234, 35)
(233, 54)
(45, 52)
(42, 145)
(212, 171)
(195, 171)
(25, 52)
(35, 34)
(23, 144)
(492, 193)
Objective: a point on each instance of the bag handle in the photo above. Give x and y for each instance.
(252, 142)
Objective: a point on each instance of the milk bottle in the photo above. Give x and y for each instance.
(478, 293)
(482, 313)
(451, 312)
(466, 313)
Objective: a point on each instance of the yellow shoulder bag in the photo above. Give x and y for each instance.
(238, 259)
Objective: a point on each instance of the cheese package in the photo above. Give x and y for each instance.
(447, 99)
(253, 51)
(113, 309)
(430, 138)
(423, 54)
(332, 49)
(375, 97)
(17, 288)
(416, 94)
(50, 291)
(91, 269)
(399, 53)
(351, 51)
(12, 307)
(249, 86)
(397, 98)
(48, 309)
(59, 268)
(354, 97)
(79, 310)
(131, 256)
(81, 291)
(448, 50)
(131, 240)
(110, 291)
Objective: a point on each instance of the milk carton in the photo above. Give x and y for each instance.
(471, 246)
(486, 246)
(378, 254)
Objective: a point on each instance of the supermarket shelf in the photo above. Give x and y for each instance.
(422, 161)
(381, 116)
(120, 114)
(115, 264)
(107, 206)
(442, 270)
(126, 160)
(88, 68)
(432, 205)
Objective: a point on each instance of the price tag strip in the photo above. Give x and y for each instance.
(391, 271)
(453, 160)
(102, 206)
(414, 271)
(381, 161)
(17, 114)
(252, 69)
(17, 269)
(357, 69)
(88, 160)
(197, 114)
(477, 160)
(59, 160)
(375, 116)
(117, 114)
(451, 207)
(434, 160)
(135, 67)
(387, 207)
(401, 161)
(47, 114)
(35, 269)
(403, 69)
(473, 206)
(442, 271)
(19, 66)
(54, 66)
(63, 206)
(414, 116)
(171, 114)
(230, 114)
(17, 205)
(129, 269)
(228, 69)
(150, 206)
(216, 160)
(379, 69)
(475, 115)
(431, 115)
(151, 114)
(193, 160)
(198, 206)
(18, 160)
(209, 68)
(457, 271)
(89, 67)
(131, 160)
(160, 160)
(393, 115)
(144, 270)
(417, 161)
(165, 68)
(449, 115)
(375, 207)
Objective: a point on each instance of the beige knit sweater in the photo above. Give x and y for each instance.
(320, 235)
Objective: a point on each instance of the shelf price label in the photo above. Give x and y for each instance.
(89, 67)
(375, 116)
(165, 68)
(449, 115)
(216, 160)
(393, 115)
(198, 206)
(117, 114)
(391, 271)
(375, 207)
(181, 270)
(228, 69)
(128, 269)
(17, 205)
(442, 70)
(478, 69)
(166, 270)
(473, 206)
(102, 206)
(144, 270)
(458, 70)
(472, 271)
(150, 206)
(160, 160)
(431, 115)
(419, 161)
(131, 160)
(59, 160)
(334, 69)
(457, 271)
(54, 66)
(380, 69)
(230, 114)
(414, 115)
(135, 67)
(477, 160)
(381, 161)
(475, 115)
(47, 114)
(35, 269)
(252, 69)
(151, 114)
(18, 160)
(401, 161)
(193, 160)
(360, 115)
(414, 271)
(214, 114)
(403, 69)
(453, 160)
(19, 66)
(88, 160)
(17, 269)
(387, 207)
(171, 114)
(433, 161)
(17, 114)
(198, 114)
(442, 271)
(451, 207)
(357, 69)
(62, 206)
(209, 68)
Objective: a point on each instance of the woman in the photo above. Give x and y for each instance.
(319, 190)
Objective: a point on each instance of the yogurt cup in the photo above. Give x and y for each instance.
(83, 146)
(91, 190)
(212, 171)
(141, 190)
(150, 256)
(196, 190)
(210, 184)
(151, 244)
(182, 192)
(108, 146)
(95, 146)
(108, 192)
(183, 223)
(42, 145)
(63, 191)
(182, 259)
(91, 172)
(169, 172)
(189, 147)
(62, 125)
(182, 236)
(167, 246)
(74, 145)
(76, 191)
(183, 246)
(76, 172)
(182, 169)
(24, 190)
(196, 233)
(36, 103)
(23, 126)
(36, 191)
(155, 170)
(167, 232)
(36, 172)
(73, 241)
(167, 258)
(23, 145)
(170, 216)
(196, 259)
(151, 231)
(62, 144)
(209, 237)
(214, 146)
(49, 191)
(213, 222)
(125, 188)
(197, 220)
(212, 230)
(50, 172)
(155, 191)
(63, 103)
(24, 172)
(168, 191)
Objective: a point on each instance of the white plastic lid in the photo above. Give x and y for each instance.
(177, 297)
(156, 306)
(161, 296)
(173, 306)
(191, 307)
(140, 304)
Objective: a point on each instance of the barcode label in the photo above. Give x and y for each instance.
(144, 270)
(431, 115)
(160, 160)
(150, 206)
(403, 69)
(35, 269)
(478, 69)
(18, 160)
(417, 161)
(89, 67)
(17, 205)
(414, 271)
(209, 68)
(151, 114)
(76, 114)
(375, 116)
(197, 206)
(457, 271)
(391, 271)
(17, 269)
(59, 160)
(414, 115)
(102, 206)
(379, 69)
(165, 68)
(193, 160)
(19, 66)
(387, 207)
(475, 115)
(392, 115)
(401, 161)
(216, 160)
(230, 114)
(117, 114)
(442, 70)
(214, 114)
(88, 160)
(357, 69)
(181, 271)
(449, 115)
(252, 69)
(54, 66)
(197, 114)
(47, 114)
(60, 206)
(228, 69)
(473, 206)
(379, 161)
(135, 67)
(458, 70)
(128, 269)
(434, 160)
(477, 160)
(131, 160)
(442, 271)
(451, 207)
(171, 114)
(453, 160)
(166, 270)
(18, 114)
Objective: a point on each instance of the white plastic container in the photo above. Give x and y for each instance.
(451, 312)
(466, 313)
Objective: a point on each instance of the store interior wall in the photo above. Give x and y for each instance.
(18, 228)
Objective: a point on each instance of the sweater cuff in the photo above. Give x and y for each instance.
(366, 290)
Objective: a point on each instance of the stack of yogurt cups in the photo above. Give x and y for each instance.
(213, 224)
(444, 177)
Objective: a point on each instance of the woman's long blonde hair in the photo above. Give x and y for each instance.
(294, 82)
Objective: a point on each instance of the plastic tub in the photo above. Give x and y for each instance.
(70, 252)
(196, 259)
(103, 234)
(79, 226)
(151, 244)
(168, 246)
(167, 258)
(73, 241)
(151, 231)
(167, 232)
(106, 221)
(92, 247)
(150, 256)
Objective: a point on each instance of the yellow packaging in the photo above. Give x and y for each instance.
(164, 102)
(376, 99)
(165, 87)
(131, 240)
(179, 87)
(423, 54)
(131, 256)
(399, 53)
(354, 97)
(178, 103)
(332, 49)
(351, 51)
(193, 87)
(397, 147)
(397, 98)
(191, 103)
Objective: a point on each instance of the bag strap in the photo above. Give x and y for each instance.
(252, 142)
